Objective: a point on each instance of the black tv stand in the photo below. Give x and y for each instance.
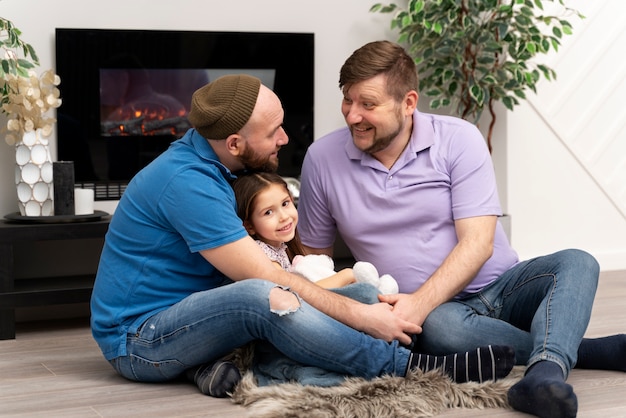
(46, 290)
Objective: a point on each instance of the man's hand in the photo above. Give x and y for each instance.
(406, 307)
(381, 322)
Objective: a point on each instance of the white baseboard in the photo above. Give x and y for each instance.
(610, 261)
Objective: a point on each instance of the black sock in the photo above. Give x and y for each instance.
(215, 379)
(544, 393)
(606, 353)
(484, 363)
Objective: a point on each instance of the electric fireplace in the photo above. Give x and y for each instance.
(126, 94)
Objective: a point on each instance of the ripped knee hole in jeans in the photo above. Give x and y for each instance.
(283, 301)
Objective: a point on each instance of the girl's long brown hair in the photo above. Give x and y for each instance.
(247, 187)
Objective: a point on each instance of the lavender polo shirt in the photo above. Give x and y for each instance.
(402, 220)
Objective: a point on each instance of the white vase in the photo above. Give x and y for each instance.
(33, 175)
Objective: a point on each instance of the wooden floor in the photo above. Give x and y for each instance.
(54, 369)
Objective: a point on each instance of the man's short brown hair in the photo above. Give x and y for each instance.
(381, 57)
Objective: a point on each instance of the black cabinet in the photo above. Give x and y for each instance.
(44, 290)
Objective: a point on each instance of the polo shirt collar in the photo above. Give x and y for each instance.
(423, 135)
(205, 151)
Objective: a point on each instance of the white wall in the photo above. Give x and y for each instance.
(553, 203)
(566, 146)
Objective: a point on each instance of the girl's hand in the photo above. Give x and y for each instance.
(340, 279)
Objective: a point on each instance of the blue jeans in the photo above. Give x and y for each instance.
(541, 307)
(210, 324)
(272, 367)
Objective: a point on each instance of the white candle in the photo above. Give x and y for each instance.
(83, 201)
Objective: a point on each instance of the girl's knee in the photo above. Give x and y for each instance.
(362, 292)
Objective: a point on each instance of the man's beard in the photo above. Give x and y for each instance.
(383, 142)
(380, 144)
(254, 162)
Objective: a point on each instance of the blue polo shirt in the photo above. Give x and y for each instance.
(178, 205)
(402, 220)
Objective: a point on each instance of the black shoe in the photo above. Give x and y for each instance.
(216, 379)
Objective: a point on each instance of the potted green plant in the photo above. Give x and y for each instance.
(472, 54)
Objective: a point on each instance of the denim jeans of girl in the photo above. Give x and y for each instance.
(541, 307)
(208, 325)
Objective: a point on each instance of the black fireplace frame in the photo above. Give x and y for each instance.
(81, 53)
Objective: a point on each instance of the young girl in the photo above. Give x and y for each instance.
(269, 215)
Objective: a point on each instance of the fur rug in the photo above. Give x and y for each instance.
(417, 395)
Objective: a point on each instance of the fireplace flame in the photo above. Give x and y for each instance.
(147, 118)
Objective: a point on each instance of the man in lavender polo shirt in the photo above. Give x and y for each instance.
(405, 213)
(415, 194)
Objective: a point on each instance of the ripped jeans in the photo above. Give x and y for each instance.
(271, 367)
(207, 325)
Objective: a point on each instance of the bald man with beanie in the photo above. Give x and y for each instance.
(181, 284)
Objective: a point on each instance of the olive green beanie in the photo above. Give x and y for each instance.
(223, 107)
